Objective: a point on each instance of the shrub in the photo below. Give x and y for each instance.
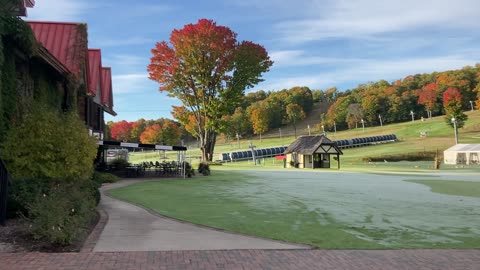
(49, 145)
(119, 164)
(57, 218)
(204, 168)
(416, 156)
(103, 177)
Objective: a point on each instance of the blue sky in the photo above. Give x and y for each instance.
(314, 43)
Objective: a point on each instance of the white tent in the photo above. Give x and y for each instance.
(467, 154)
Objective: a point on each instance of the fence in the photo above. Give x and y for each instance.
(3, 192)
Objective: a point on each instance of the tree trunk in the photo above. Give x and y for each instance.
(207, 145)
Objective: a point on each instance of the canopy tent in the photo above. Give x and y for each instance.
(180, 149)
(465, 154)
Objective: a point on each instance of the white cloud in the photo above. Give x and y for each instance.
(289, 58)
(132, 83)
(369, 18)
(369, 70)
(59, 10)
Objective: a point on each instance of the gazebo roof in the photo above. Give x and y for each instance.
(313, 144)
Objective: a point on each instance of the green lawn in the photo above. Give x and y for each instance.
(325, 209)
(459, 188)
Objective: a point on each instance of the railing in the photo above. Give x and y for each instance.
(3, 192)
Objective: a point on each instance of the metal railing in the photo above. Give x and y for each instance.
(4, 179)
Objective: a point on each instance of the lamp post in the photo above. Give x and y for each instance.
(471, 104)
(238, 139)
(363, 125)
(250, 145)
(335, 127)
(380, 117)
(323, 129)
(413, 117)
(454, 122)
(308, 127)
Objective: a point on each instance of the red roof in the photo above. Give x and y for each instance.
(95, 72)
(107, 96)
(63, 40)
(29, 3)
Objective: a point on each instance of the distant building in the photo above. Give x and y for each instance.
(312, 152)
(462, 154)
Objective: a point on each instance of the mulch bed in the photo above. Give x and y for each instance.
(14, 238)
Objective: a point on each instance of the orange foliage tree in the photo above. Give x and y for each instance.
(208, 70)
(428, 97)
(166, 133)
(259, 119)
(452, 103)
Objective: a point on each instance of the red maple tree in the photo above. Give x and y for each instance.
(121, 131)
(208, 70)
(428, 97)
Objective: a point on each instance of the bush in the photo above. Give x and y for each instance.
(204, 168)
(416, 156)
(189, 171)
(103, 177)
(46, 144)
(119, 164)
(22, 192)
(57, 218)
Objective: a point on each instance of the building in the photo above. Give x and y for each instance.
(464, 154)
(312, 152)
(92, 90)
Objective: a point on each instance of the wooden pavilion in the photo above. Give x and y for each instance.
(312, 152)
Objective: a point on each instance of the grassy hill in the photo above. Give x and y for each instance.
(440, 137)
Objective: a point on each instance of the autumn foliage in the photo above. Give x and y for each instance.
(208, 70)
(452, 102)
(160, 131)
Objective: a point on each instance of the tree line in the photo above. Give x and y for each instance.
(446, 93)
(160, 131)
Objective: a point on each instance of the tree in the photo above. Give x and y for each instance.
(428, 97)
(452, 103)
(259, 119)
(208, 70)
(354, 115)
(121, 131)
(138, 127)
(166, 133)
(294, 114)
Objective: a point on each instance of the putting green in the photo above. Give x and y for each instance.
(322, 208)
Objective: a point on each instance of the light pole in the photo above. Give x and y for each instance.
(323, 129)
(308, 127)
(335, 127)
(363, 125)
(454, 122)
(250, 145)
(238, 139)
(380, 117)
(471, 104)
(413, 117)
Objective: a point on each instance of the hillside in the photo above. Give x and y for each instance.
(312, 120)
(439, 136)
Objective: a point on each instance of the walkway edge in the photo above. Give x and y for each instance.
(94, 235)
(106, 192)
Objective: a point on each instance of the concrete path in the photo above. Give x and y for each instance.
(132, 228)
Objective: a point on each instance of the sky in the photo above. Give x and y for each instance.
(314, 43)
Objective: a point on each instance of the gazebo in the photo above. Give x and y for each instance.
(312, 152)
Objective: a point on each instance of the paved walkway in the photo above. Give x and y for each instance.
(132, 228)
(249, 260)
